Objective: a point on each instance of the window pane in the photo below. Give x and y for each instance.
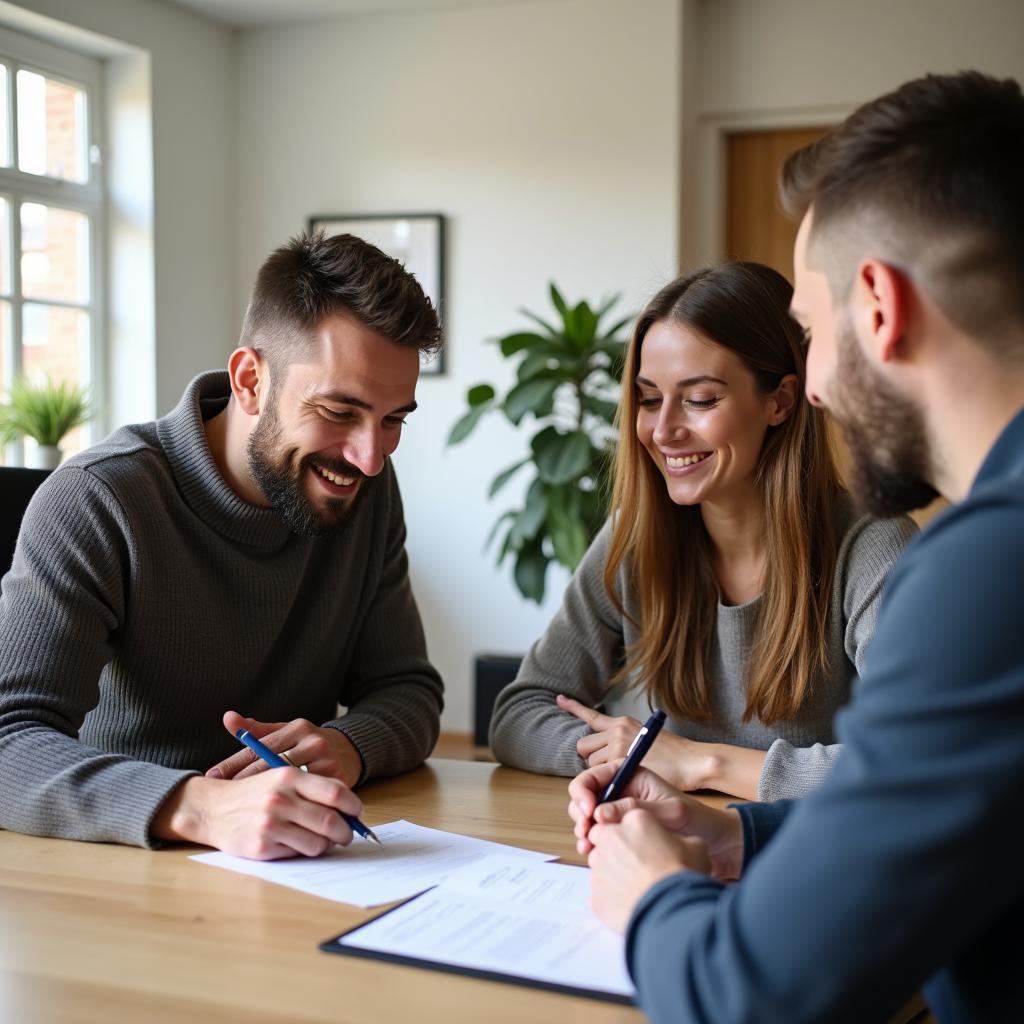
(51, 128)
(54, 253)
(5, 348)
(55, 342)
(5, 246)
(5, 148)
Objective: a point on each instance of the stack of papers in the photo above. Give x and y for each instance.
(479, 908)
(413, 858)
(506, 919)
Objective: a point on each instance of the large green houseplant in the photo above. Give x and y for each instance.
(567, 383)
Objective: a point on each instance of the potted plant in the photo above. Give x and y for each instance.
(44, 412)
(567, 380)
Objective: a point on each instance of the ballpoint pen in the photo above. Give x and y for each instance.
(636, 753)
(277, 761)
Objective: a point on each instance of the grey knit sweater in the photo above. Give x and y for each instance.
(585, 646)
(146, 598)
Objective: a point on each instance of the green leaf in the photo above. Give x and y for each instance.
(569, 538)
(534, 363)
(479, 393)
(507, 544)
(564, 502)
(513, 343)
(530, 396)
(607, 305)
(552, 332)
(465, 425)
(504, 517)
(601, 407)
(584, 326)
(558, 301)
(533, 514)
(504, 476)
(531, 568)
(543, 439)
(609, 335)
(559, 463)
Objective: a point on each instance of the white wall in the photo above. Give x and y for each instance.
(786, 63)
(799, 53)
(191, 68)
(547, 132)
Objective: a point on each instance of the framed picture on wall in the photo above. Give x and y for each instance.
(415, 239)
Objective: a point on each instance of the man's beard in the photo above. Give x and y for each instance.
(280, 479)
(891, 463)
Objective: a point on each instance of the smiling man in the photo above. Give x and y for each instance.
(900, 872)
(239, 563)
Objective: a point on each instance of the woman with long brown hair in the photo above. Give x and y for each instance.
(733, 585)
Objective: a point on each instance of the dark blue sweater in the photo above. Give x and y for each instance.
(904, 870)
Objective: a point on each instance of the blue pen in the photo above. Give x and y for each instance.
(636, 753)
(277, 761)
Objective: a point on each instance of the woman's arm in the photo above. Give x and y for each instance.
(686, 764)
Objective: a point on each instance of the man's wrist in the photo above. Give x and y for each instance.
(184, 815)
(353, 765)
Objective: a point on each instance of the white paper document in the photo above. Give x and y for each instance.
(413, 858)
(507, 916)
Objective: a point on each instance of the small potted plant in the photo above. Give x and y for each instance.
(567, 382)
(44, 412)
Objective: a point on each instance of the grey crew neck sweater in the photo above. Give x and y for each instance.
(586, 642)
(146, 598)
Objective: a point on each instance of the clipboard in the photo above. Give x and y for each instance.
(449, 966)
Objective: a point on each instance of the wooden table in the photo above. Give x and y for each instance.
(96, 932)
(100, 933)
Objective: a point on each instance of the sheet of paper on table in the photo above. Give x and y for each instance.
(413, 858)
(507, 917)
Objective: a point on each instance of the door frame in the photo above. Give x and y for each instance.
(707, 242)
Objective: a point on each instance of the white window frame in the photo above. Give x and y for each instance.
(20, 52)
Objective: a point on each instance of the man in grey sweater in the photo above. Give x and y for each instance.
(241, 556)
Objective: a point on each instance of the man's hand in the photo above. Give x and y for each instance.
(721, 831)
(685, 763)
(280, 813)
(320, 751)
(630, 857)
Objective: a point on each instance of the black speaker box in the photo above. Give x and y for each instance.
(492, 672)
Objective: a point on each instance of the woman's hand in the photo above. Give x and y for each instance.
(684, 763)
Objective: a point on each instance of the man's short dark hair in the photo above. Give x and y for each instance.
(930, 177)
(314, 276)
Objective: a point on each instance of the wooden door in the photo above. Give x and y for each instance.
(756, 227)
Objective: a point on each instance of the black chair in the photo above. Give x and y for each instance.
(17, 485)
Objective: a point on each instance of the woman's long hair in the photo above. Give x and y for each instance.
(744, 307)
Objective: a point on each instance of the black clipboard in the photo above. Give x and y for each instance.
(334, 945)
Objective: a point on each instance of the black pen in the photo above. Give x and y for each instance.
(636, 753)
(277, 761)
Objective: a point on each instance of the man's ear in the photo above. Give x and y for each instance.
(249, 377)
(784, 398)
(881, 294)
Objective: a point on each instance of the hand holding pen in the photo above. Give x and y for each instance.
(281, 761)
(607, 782)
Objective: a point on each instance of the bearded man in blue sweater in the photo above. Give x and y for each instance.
(900, 872)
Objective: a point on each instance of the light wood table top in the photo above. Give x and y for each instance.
(111, 934)
(96, 932)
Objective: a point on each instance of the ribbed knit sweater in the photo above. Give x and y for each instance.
(146, 598)
(584, 647)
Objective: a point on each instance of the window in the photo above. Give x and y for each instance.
(51, 220)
